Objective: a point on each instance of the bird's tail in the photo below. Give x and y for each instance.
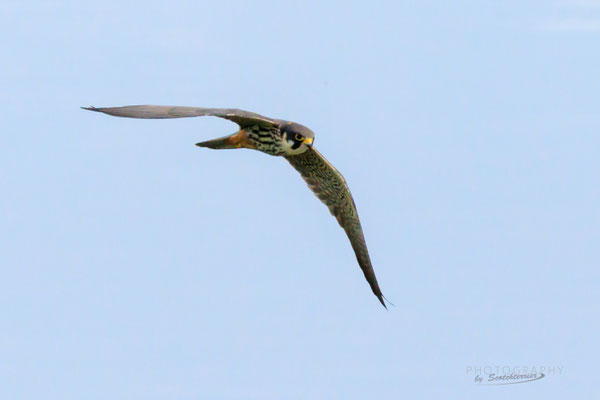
(233, 141)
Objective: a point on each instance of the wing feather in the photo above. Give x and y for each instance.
(330, 187)
(240, 117)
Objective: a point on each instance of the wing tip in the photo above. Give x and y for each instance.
(380, 298)
(383, 300)
(90, 108)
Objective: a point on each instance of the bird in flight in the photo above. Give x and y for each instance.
(276, 137)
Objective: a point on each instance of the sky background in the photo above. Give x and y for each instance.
(137, 266)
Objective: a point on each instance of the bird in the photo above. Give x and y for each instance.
(281, 138)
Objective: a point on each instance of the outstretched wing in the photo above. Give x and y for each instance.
(330, 186)
(240, 117)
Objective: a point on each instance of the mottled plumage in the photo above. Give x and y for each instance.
(331, 187)
(277, 137)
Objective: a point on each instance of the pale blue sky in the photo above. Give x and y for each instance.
(138, 266)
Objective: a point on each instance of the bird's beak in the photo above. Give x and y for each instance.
(308, 141)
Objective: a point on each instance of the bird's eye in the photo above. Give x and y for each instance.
(299, 137)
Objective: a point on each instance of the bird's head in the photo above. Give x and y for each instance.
(296, 138)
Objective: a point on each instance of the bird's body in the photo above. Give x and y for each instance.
(255, 137)
(275, 140)
(290, 140)
(268, 140)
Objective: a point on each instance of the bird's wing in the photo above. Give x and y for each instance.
(330, 186)
(240, 117)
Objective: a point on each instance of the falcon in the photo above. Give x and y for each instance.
(287, 139)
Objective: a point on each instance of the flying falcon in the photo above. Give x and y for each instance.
(277, 137)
